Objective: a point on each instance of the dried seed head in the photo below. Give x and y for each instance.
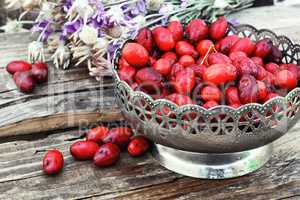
(101, 44)
(88, 35)
(154, 5)
(36, 52)
(13, 26)
(61, 57)
(53, 42)
(115, 31)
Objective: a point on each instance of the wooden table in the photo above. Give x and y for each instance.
(25, 133)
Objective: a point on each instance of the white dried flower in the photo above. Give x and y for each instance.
(88, 35)
(140, 21)
(13, 26)
(13, 4)
(61, 57)
(154, 5)
(101, 44)
(36, 52)
(46, 11)
(80, 8)
(116, 14)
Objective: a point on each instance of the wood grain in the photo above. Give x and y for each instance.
(138, 178)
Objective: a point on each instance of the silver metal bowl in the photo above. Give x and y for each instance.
(216, 143)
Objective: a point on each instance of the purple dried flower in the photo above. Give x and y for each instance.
(44, 28)
(234, 22)
(111, 49)
(72, 27)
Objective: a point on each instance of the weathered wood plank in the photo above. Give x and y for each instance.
(142, 178)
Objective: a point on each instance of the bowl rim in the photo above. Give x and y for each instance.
(175, 107)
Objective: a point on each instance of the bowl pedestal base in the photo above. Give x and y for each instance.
(212, 165)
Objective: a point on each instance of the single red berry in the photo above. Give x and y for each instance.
(220, 73)
(262, 90)
(163, 66)
(185, 48)
(245, 45)
(175, 68)
(275, 55)
(198, 70)
(218, 28)
(263, 48)
(211, 93)
(97, 134)
(261, 73)
(127, 73)
(18, 66)
(24, 81)
(176, 29)
(196, 30)
(203, 46)
(218, 58)
(171, 56)
(123, 63)
(135, 54)
(286, 79)
(232, 96)
(248, 89)
(186, 60)
(145, 39)
(53, 162)
(185, 81)
(224, 45)
(138, 146)
(258, 61)
(84, 150)
(107, 155)
(210, 104)
(39, 72)
(272, 67)
(163, 38)
(236, 55)
(119, 136)
(149, 79)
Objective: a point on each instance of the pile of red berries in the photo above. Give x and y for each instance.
(102, 145)
(201, 64)
(27, 75)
